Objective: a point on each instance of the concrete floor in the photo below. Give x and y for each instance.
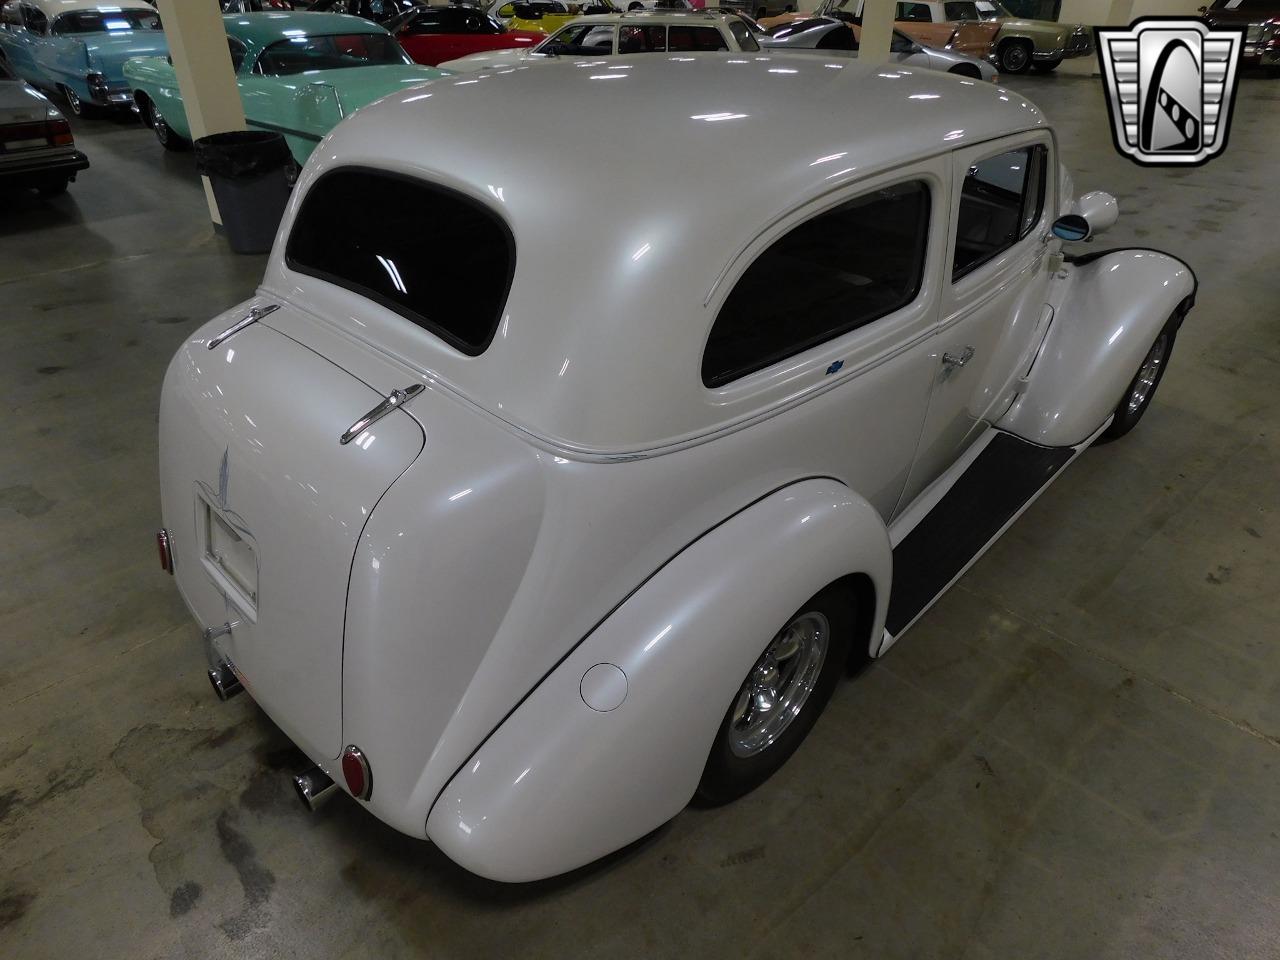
(1075, 754)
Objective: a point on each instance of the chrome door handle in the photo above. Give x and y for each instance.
(396, 398)
(256, 314)
(951, 360)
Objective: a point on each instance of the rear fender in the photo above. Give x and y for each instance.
(560, 784)
(1108, 309)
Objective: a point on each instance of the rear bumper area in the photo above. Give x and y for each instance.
(27, 171)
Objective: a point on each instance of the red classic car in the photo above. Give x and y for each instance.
(432, 35)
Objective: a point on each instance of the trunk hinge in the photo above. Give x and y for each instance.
(396, 398)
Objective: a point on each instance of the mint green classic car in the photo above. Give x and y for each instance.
(298, 73)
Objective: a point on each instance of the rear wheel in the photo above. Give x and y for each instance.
(1142, 388)
(1045, 66)
(1014, 56)
(966, 70)
(780, 699)
(168, 139)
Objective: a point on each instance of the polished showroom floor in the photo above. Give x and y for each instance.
(1075, 754)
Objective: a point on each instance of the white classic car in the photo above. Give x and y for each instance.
(610, 34)
(531, 529)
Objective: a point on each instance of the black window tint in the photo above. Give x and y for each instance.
(36, 21)
(680, 38)
(743, 35)
(914, 11)
(382, 236)
(237, 50)
(999, 205)
(423, 23)
(961, 11)
(642, 39)
(832, 274)
(838, 38)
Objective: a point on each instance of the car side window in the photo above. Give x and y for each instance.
(694, 38)
(834, 273)
(642, 39)
(588, 38)
(424, 23)
(1000, 203)
(918, 12)
(743, 35)
(838, 38)
(961, 10)
(36, 21)
(238, 51)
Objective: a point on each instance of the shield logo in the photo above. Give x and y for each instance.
(1170, 85)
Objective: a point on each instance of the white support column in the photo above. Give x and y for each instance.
(877, 31)
(206, 80)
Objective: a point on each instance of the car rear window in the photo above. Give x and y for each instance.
(439, 259)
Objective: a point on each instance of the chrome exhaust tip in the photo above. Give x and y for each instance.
(314, 787)
(225, 682)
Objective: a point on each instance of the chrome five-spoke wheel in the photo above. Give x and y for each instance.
(779, 684)
(776, 705)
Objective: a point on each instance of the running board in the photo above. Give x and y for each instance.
(1000, 482)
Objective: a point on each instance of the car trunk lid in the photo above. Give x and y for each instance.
(265, 508)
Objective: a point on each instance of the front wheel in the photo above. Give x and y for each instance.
(1014, 56)
(164, 133)
(780, 699)
(1142, 387)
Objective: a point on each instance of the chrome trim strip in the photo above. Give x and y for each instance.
(396, 398)
(256, 314)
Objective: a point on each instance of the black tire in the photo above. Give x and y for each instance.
(54, 187)
(635, 6)
(966, 70)
(168, 139)
(729, 774)
(1014, 56)
(1045, 66)
(1142, 388)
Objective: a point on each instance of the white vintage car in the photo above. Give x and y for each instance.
(531, 504)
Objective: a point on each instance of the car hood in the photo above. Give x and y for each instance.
(107, 53)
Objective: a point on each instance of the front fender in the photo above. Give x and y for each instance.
(560, 784)
(1107, 313)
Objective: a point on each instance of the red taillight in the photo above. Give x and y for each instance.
(166, 555)
(60, 133)
(55, 132)
(355, 770)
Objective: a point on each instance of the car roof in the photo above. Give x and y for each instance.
(264, 29)
(51, 8)
(650, 16)
(651, 185)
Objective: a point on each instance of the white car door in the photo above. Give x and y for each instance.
(994, 312)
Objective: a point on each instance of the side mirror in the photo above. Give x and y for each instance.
(1092, 214)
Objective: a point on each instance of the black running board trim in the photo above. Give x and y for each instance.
(998, 484)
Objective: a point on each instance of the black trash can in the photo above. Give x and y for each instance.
(249, 171)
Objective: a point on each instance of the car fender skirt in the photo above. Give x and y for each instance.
(1112, 309)
(561, 783)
